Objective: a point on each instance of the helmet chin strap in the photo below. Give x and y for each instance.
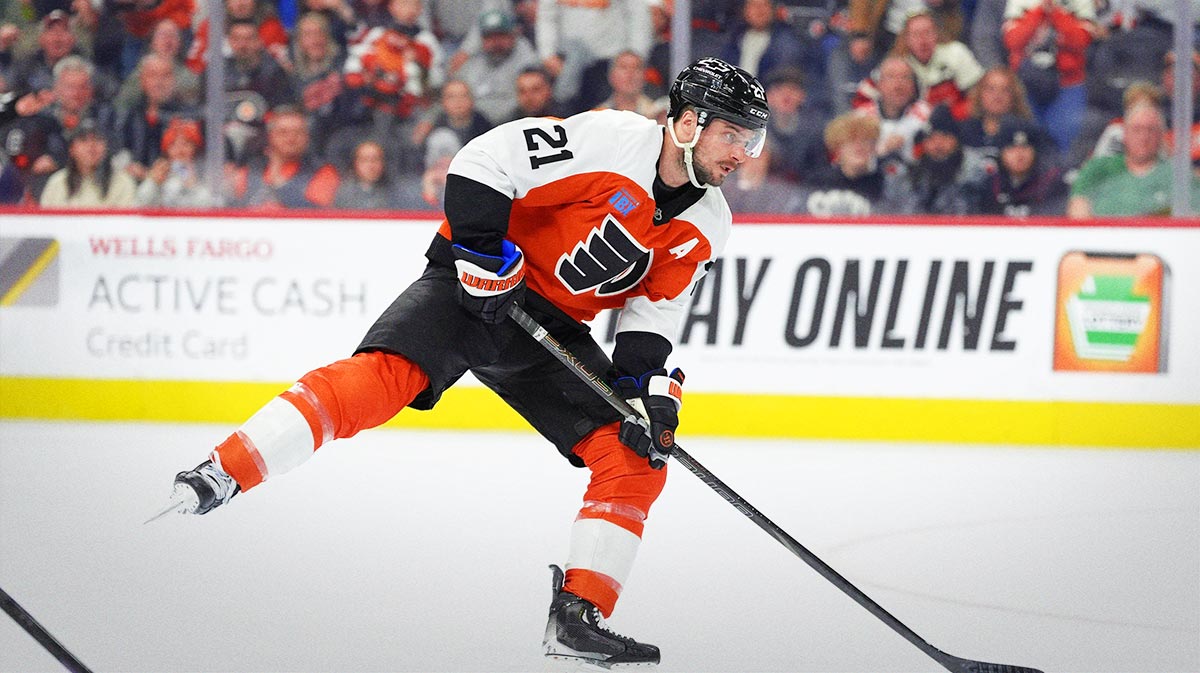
(687, 151)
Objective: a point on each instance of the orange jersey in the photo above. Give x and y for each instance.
(583, 213)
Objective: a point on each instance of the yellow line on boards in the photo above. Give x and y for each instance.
(43, 260)
(1008, 422)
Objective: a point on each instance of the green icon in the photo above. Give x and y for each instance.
(1106, 318)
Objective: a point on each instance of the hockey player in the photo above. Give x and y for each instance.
(605, 209)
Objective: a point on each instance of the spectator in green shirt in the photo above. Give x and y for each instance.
(1137, 182)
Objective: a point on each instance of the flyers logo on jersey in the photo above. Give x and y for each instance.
(609, 262)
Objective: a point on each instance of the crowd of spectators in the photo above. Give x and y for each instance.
(947, 107)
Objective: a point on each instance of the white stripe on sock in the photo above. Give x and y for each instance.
(603, 547)
(281, 435)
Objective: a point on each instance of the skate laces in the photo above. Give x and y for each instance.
(597, 620)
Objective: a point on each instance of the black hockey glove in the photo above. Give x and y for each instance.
(657, 397)
(487, 284)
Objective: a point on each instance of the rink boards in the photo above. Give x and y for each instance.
(996, 331)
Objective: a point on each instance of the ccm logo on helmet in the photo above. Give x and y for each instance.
(759, 113)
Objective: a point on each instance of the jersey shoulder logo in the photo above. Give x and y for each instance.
(623, 203)
(609, 262)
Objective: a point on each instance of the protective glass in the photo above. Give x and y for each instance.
(751, 140)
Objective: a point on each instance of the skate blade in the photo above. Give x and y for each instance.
(568, 662)
(178, 503)
(586, 662)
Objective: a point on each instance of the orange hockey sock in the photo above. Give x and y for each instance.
(332, 402)
(608, 530)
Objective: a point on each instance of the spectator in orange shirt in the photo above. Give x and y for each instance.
(286, 176)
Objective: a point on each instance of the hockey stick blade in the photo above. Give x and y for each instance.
(600, 387)
(40, 634)
(968, 666)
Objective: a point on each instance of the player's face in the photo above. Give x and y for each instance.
(720, 150)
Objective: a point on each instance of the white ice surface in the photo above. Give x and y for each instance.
(427, 551)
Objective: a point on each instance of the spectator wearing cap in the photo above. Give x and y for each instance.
(287, 175)
(941, 179)
(88, 180)
(1021, 184)
(492, 71)
(176, 179)
(945, 71)
(33, 70)
(1047, 43)
(1138, 182)
(535, 96)
(902, 114)
(627, 80)
(140, 128)
(855, 184)
(368, 184)
(457, 24)
(794, 131)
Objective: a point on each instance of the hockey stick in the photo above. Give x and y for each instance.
(40, 634)
(948, 661)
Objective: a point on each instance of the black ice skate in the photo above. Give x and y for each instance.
(576, 631)
(203, 489)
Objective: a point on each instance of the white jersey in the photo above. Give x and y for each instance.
(584, 214)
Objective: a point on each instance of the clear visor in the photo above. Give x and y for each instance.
(750, 140)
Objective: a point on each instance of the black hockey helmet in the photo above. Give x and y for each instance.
(721, 90)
